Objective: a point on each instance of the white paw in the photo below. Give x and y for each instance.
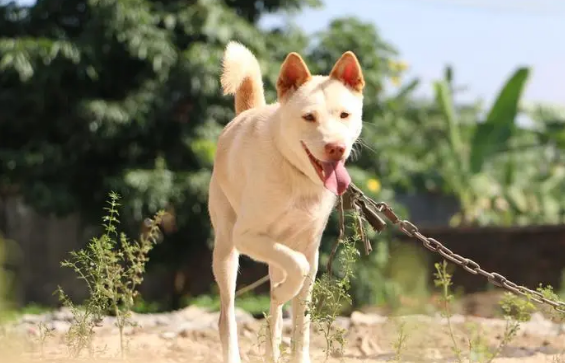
(303, 264)
(301, 358)
(233, 358)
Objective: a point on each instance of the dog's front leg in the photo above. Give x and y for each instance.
(292, 265)
(301, 320)
(262, 248)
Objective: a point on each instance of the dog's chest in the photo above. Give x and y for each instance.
(303, 220)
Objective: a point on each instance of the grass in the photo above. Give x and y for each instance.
(253, 304)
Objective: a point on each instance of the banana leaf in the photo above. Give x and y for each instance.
(493, 134)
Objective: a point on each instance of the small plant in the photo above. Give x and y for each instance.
(264, 337)
(44, 333)
(478, 346)
(112, 267)
(515, 310)
(550, 294)
(443, 280)
(330, 294)
(264, 332)
(400, 342)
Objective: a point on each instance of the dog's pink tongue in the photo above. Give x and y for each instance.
(336, 177)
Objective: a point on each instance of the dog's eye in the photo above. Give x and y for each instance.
(344, 115)
(309, 117)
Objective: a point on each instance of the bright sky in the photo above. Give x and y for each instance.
(485, 40)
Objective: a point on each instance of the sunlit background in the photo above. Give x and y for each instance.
(126, 98)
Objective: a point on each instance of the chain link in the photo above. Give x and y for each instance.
(365, 206)
(468, 265)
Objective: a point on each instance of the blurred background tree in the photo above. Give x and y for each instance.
(124, 95)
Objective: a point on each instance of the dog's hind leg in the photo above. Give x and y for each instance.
(225, 262)
(272, 352)
(225, 267)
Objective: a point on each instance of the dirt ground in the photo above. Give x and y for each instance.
(190, 336)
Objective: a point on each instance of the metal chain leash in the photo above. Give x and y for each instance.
(369, 210)
(359, 199)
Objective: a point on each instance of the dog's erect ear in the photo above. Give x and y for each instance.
(348, 70)
(294, 73)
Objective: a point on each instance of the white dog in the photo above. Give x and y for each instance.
(277, 171)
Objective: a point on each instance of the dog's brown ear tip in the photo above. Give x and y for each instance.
(294, 72)
(348, 70)
(294, 58)
(352, 56)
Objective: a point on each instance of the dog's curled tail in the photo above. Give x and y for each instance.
(241, 75)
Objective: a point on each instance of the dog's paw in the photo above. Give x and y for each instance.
(303, 266)
(301, 358)
(233, 359)
(296, 275)
(286, 290)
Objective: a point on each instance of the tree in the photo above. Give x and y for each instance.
(123, 95)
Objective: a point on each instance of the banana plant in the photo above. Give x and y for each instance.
(549, 123)
(544, 203)
(471, 147)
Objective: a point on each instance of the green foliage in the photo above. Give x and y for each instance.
(400, 341)
(3, 297)
(469, 150)
(515, 311)
(494, 133)
(9, 253)
(123, 95)
(394, 276)
(253, 304)
(112, 267)
(443, 280)
(330, 296)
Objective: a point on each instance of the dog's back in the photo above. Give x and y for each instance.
(244, 145)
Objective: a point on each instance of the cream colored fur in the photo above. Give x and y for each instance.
(266, 200)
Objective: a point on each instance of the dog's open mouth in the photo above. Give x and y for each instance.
(332, 173)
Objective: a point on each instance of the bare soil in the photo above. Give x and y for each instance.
(191, 336)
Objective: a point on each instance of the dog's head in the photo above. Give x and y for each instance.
(321, 118)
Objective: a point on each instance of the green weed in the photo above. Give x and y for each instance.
(443, 280)
(515, 311)
(330, 295)
(44, 333)
(400, 342)
(112, 267)
(253, 304)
